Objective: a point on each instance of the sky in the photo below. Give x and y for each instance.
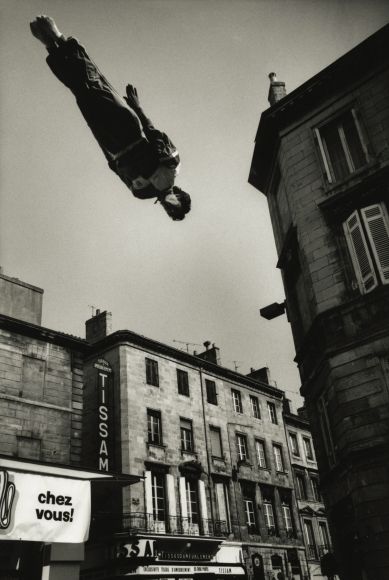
(70, 226)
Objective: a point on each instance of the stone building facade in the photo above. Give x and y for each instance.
(211, 446)
(322, 159)
(313, 516)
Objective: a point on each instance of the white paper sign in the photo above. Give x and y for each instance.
(41, 508)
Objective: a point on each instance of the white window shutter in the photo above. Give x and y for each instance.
(171, 495)
(203, 500)
(377, 226)
(148, 493)
(360, 255)
(182, 491)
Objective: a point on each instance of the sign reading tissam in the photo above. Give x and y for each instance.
(105, 427)
(42, 508)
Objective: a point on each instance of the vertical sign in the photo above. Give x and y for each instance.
(105, 419)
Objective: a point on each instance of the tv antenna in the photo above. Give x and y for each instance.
(236, 364)
(187, 344)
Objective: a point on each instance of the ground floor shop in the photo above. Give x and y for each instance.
(275, 562)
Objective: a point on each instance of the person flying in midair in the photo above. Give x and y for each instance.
(141, 155)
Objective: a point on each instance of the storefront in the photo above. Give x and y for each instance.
(45, 515)
(175, 558)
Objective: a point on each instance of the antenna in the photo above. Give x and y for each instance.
(187, 343)
(236, 365)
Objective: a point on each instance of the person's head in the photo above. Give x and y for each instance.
(176, 203)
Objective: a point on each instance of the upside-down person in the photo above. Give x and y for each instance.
(143, 157)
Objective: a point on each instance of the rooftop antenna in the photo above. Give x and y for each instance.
(187, 343)
(236, 364)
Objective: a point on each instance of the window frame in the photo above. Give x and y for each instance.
(300, 477)
(293, 437)
(216, 430)
(210, 387)
(261, 443)
(325, 156)
(187, 443)
(237, 401)
(255, 409)
(272, 412)
(153, 414)
(152, 372)
(156, 480)
(278, 458)
(183, 385)
(243, 438)
(308, 449)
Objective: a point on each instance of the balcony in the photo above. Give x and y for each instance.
(311, 552)
(142, 523)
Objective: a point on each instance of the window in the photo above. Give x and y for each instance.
(294, 447)
(268, 513)
(183, 382)
(261, 454)
(158, 496)
(316, 489)
(301, 487)
(152, 377)
(255, 407)
(223, 507)
(192, 501)
(271, 409)
(310, 540)
(154, 427)
(324, 535)
(367, 237)
(248, 494)
(241, 443)
(216, 442)
(277, 449)
(308, 448)
(186, 428)
(342, 146)
(211, 392)
(237, 401)
(286, 510)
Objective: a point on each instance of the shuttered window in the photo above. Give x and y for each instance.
(367, 236)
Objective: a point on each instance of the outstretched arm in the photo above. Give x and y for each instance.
(132, 100)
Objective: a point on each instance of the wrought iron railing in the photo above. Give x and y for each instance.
(311, 552)
(140, 522)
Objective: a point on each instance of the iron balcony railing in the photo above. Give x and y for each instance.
(311, 552)
(140, 522)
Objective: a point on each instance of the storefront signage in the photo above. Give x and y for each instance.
(139, 548)
(105, 411)
(174, 570)
(43, 508)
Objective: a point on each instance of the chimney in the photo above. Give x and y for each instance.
(286, 406)
(20, 300)
(277, 89)
(211, 354)
(99, 326)
(262, 374)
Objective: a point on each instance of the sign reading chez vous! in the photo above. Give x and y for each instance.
(105, 435)
(40, 508)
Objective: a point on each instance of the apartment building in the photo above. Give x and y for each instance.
(217, 495)
(321, 157)
(312, 512)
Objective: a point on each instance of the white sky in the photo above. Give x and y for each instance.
(69, 225)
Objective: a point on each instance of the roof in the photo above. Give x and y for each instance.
(363, 59)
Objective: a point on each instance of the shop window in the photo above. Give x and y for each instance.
(211, 392)
(237, 401)
(255, 407)
(367, 236)
(342, 146)
(294, 447)
(154, 427)
(271, 409)
(183, 382)
(241, 444)
(152, 376)
(261, 453)
(186, 428)
(216, 442)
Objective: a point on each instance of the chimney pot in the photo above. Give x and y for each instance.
(97, 312)
(272, 77)
(277, 90)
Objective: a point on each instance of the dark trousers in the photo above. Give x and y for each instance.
(113, 123)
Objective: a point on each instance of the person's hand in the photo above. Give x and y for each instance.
(132, 97)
